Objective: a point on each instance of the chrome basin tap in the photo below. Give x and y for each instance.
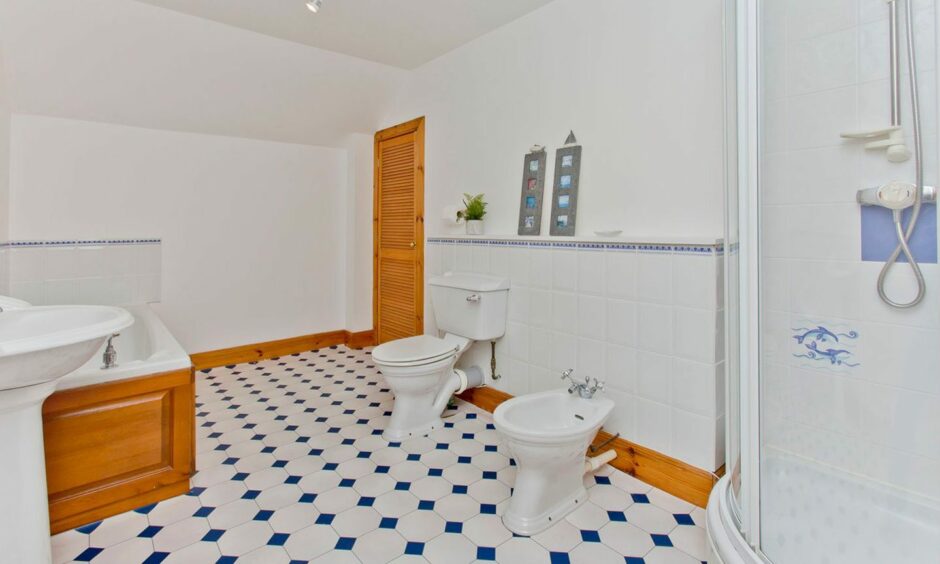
(584, 389)
(109, 358)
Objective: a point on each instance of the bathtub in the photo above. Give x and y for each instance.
(124, 437)
(146, 347)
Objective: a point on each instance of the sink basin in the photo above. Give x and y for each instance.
(38, 346)
(41, 344)
(8, 303)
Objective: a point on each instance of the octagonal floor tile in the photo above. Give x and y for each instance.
(379, 546)
(450, 549)
(197, 552)
(311, 542)
(133, 550)
(245, 538)
(486, 530)
(356, 522)
(180, 534)
(420, 526)
(117, 530)
(233, 514)
(626, 539)
(293, 517)
(521, 550)
(396, 504)
(595, 553)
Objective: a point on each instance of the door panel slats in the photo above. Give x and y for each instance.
(399, 203)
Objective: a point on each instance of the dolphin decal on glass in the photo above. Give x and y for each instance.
(818, 334)
(816, 345)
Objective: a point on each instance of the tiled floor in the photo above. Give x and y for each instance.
(293, 468)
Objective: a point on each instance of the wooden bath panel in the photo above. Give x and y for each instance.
(118, 446)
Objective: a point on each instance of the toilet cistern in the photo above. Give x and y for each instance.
(584, 389)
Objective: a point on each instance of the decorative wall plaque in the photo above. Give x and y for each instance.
(533, 188)
(565, 194)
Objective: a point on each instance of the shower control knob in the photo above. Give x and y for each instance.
(894, 196)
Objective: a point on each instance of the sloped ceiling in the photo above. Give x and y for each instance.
(402, 33)
(126, 62)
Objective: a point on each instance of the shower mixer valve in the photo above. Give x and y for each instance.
(895, 195)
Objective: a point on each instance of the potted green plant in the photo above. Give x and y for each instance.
(474, 208)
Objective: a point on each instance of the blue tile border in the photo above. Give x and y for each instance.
(718, 248)
(78, 243)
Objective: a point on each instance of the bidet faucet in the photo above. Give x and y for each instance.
(584, 389)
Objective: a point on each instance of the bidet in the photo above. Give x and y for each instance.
(548, 434)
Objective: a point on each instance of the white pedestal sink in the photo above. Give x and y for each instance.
(38, 346)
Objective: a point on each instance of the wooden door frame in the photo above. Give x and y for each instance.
(415, 126)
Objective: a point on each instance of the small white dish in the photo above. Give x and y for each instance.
(610, 233)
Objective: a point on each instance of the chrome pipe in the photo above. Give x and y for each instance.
(894, 60)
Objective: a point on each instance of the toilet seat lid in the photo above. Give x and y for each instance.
(414, 350)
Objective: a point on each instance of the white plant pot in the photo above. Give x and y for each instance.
(475, 227)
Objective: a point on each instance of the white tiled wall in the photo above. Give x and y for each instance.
(648, 322)
(826, 71)
(4, 271)
(105, 273)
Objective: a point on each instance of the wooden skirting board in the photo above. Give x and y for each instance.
(656, 469)
(360, 340)
(282, 347)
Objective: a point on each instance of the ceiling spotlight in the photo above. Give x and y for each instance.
(314, 5)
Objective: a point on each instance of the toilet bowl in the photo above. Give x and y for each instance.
(548, 435)
(421, 371)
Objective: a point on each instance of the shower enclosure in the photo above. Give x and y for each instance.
(833, 392)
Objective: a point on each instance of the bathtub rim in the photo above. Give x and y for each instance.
(168, 355)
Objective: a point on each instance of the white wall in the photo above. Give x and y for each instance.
(250, 228)
(4, 178)
(4, 155)
(359, 149)
(640, 83)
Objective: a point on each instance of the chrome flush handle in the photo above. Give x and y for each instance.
(473, 298)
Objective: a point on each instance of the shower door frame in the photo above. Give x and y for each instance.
(747, 37)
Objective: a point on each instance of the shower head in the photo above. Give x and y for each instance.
(890, 138)
(898, 153)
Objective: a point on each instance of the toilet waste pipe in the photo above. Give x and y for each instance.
(457, 382)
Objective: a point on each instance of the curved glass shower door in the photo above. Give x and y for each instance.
(849, 387)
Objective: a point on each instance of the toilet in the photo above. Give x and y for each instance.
(548, 434)
(421, 370)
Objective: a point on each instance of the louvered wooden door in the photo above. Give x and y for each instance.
(398, 306)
